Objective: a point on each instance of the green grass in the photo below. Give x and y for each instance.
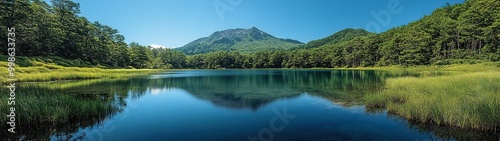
(32, 61)
(53, 110)
(468, 96)
(465, 100)
(39, 105)
(38, 69)
(52, 107)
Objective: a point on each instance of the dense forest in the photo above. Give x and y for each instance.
(467, 32)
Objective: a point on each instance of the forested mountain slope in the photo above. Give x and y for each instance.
(241, 40)
(338, 37)
(453, 33)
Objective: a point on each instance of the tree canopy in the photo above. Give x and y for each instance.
(466, 32)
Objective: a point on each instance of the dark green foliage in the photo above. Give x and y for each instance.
(171, 58)
(341, 36)
(57, 30)
(463, 31)
(140, 56)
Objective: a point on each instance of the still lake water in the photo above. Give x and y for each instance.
(248, 105)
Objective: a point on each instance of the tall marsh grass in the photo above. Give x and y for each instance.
(37, 106)
(468, 100)
(42, 112)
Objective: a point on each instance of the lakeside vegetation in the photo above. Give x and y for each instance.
(466, 97)
(469, 98)
(54, 111)
(46, 106)
(37, 69)
(466, 100)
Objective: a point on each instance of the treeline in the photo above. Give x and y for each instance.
(451, 34)
(262, 59)
(467, 32)
(461, 33)
(57, 30)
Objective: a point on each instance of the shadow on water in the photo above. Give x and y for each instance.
(234, 89)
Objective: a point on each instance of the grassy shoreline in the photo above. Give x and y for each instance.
(33, 70)
(41, 74)
(468, 98)
(39, 69)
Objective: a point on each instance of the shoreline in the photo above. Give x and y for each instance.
(43, 72)
(467, 100)
(428, 99)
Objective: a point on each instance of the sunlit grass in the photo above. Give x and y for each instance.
(469, 100)
(52, 72)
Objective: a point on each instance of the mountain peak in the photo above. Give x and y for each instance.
(239, 39)
(252, 32)
(255, 29)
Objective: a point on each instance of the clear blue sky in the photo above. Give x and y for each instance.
(174, 23)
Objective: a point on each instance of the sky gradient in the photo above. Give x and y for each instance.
(174, 23)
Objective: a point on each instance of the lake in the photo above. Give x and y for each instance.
(235, 105)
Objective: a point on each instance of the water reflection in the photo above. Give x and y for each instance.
(247, 93)
(45, 111)
(253, 89)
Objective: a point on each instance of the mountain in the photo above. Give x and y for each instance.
(341, 36)
(242, 40)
